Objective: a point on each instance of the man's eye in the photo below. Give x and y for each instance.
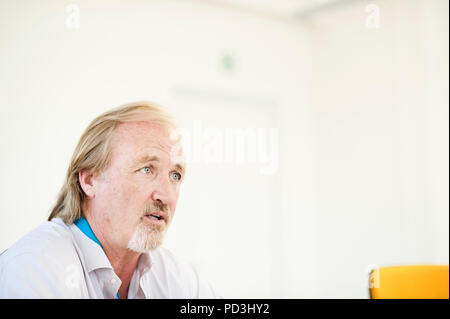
(146, 170)
(175, 176)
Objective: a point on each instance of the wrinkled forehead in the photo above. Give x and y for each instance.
(136, 139)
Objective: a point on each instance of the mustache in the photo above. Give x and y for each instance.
(157, 206)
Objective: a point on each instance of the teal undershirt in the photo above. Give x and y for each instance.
(83, 225)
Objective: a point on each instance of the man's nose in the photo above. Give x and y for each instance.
(162, 191)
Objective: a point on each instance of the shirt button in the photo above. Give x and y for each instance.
(113, 281)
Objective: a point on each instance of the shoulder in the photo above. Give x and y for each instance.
(49, 237)
(182, 279)
(164, 257)
(36, 265)
(163, 260)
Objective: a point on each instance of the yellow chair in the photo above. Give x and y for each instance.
(409, 282)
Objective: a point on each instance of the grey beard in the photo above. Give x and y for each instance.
(146, 237)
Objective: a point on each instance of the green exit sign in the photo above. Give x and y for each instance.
(228, 62)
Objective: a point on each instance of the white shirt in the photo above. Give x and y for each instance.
(59, 261)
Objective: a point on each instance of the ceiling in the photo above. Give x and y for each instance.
(284, 9)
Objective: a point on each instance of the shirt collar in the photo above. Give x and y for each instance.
(144, 263)
(93, 252)
(84, 226)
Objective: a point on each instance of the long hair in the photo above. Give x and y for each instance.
(93, 152)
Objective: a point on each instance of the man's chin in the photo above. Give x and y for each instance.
(146, 238)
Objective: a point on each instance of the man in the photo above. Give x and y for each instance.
(103, 236)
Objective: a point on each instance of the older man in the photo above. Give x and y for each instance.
(103, 236)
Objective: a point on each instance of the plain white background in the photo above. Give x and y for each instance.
(362, 116)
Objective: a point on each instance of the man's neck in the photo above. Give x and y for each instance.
(123, 260)
(124, 263)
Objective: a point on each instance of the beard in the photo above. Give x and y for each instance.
(148, 236)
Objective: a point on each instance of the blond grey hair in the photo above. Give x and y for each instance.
(93, 152)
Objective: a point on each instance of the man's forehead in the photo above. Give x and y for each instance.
(134, 129)
(142, 134)
(146, 140)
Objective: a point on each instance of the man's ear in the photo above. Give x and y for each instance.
(87, 183)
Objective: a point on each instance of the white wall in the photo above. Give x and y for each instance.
(381, 109)
(362, 117)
